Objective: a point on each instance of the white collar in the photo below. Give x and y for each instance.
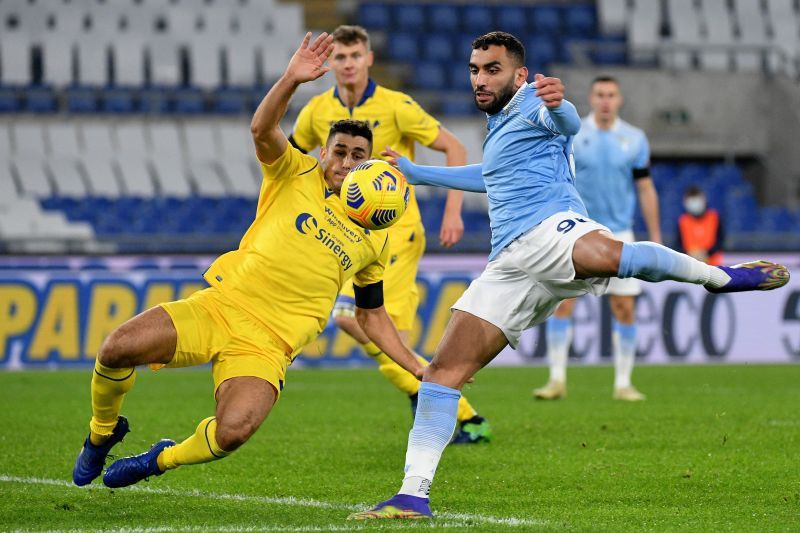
(614, 125)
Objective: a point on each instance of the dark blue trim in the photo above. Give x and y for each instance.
(115, 379)
(208, 442)
(368, 92)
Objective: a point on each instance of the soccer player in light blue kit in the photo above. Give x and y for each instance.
(612, 167)
(544, 249)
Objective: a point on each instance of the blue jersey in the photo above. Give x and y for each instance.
(527, 166)
(604, 165)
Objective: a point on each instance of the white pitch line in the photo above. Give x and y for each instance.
(288, 501)
(291, 529)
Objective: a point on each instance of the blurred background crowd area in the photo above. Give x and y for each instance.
(124, 123)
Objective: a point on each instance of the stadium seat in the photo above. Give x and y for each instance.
(16, 58)
(541, 50)
(409, 17)
(580, 20)
(443, 18)
(189, 100)
(57, 61)
(9, 100)
(545, 20)
(430, 76)
(61, 139)
(82, 99)
(40, 99)
(512, 19)
(67, 179)
(403, 47)
(438, 47)
(118, 100)
(476, 19)
(374, 16)
(33, 179)
(92, 62)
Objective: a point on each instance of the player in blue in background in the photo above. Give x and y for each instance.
(544, 249)
(612, 166)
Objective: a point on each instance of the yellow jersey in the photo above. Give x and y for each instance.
(395, 118)
(297, 253)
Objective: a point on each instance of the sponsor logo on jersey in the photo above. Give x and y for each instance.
(306, 224)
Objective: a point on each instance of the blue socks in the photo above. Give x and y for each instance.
(652, 262)
(433, 428)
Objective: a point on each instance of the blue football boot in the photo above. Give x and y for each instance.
(91, 460)
(130, 470)
(753, 276)
(400, 506)
(476, 430)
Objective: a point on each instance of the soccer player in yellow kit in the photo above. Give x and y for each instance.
(397, 121)
(266, 301)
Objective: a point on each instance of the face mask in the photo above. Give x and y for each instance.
(695, 205)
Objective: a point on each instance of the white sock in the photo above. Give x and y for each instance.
(624, 341)
(559, 338)
(434, 423)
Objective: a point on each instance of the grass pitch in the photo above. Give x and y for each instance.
(713, 448)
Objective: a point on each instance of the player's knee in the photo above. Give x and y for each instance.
(232, 434)
(114, 352)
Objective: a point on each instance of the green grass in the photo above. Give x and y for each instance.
(713, 448)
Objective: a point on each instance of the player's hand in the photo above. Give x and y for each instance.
(550, 90)
(452, 229)
(308, 62)
(391, 156)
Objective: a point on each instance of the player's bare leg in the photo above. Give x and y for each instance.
(559, 338)
(242, 405)
(148, 338)
(469, 343)
(473, 428)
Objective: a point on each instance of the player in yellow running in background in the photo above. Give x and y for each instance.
(267, 299)
(397, 121)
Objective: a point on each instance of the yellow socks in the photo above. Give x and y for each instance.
(109, 386)
(407, 383)
(201, 447)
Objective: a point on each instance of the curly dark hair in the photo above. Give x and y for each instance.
(514, 47)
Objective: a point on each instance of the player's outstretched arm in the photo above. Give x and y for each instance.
(464, 178)
(307, 64)
(452, 225)
(382, 331)
(561, 114)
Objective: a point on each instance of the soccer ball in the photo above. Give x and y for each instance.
(375, 194)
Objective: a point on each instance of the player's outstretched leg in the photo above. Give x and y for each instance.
(652, 262)
(469, 343)
(92, 458)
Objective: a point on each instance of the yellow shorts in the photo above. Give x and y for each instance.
(212, 328)
(400, 294)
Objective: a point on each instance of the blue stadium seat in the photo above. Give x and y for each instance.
(459, 105)
(443, 18)
(409, 17)
(540, 51)
(82, 100)
(438, 47)
(189, 101)
(511, 19)
(231, 101)
(476, 19)
(430, 76)
(462, 48)
(375, 16)
(118, 100)
(546, 20)
(580, 20)
(40, 99)
(403, 47)
(612, 56)
(155, 100)
(9, 100)
(459, 76)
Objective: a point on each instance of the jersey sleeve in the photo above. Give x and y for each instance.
(373, 272)
(303, 134)
(643, 154)
(291, 163)
(415, 122)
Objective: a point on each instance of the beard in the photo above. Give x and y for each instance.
(501, 98)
